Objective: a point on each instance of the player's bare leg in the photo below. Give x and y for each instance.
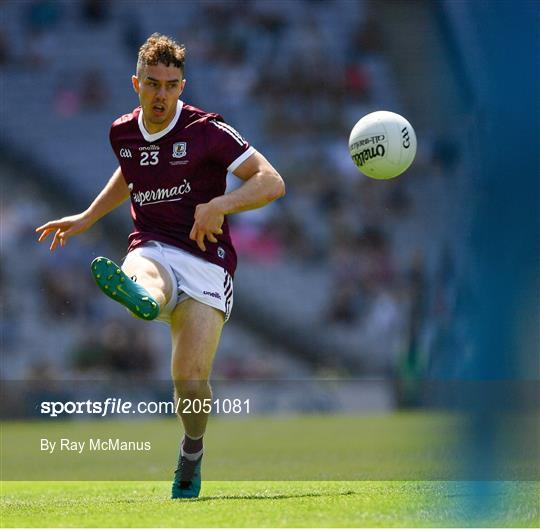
(141, 285)
(196, 330)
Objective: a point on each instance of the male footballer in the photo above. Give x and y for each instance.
(174, 160)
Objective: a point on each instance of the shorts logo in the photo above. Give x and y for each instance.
(179, 149)
(125, 152)
(220, 253)
(213, 295)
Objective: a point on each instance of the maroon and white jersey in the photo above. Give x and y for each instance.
(169, 173)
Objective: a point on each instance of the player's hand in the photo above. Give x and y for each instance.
(63, 229)
(208, 221)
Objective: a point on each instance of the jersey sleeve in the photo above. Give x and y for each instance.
(117, 126)
(112, 140)
(226, 146)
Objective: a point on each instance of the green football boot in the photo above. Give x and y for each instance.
(117, 285)
(187, 479)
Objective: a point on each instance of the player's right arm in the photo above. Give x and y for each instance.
(111, 196)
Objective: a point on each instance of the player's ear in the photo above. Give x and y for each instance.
(182, 85)
(135, 83)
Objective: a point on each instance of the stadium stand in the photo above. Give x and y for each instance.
(332, 279)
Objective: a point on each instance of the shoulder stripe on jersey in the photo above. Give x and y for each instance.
(232, 130)
(226, 127)
(229, 130)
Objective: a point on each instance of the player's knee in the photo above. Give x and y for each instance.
(158, 285)
(160, 295)
(190, 388)
(186, 372)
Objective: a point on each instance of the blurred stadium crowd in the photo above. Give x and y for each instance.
(344, 276)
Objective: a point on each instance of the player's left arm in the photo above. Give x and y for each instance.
(262, 185)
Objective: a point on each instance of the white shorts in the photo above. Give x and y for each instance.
(191, 277)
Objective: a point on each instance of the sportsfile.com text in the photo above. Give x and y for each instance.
(111, 406)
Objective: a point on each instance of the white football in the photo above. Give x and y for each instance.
(382, 144)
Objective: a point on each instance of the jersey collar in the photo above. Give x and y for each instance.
(156, 136)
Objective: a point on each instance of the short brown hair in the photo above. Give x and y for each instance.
(159, 48)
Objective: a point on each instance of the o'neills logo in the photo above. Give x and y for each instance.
(142, 198)
(367, 154)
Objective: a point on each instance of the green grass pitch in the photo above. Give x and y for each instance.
(76, 490)
(261, 504)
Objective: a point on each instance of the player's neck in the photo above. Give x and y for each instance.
(153, 128)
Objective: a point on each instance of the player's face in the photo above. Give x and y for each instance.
(159, 88)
